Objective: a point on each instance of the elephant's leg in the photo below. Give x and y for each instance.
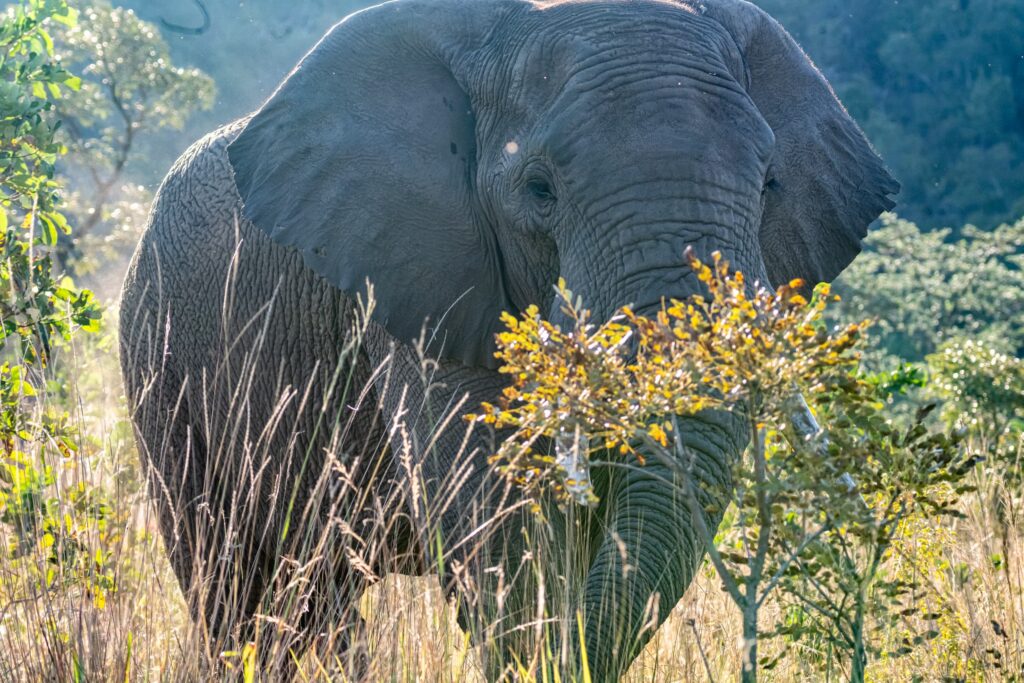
(464, 519)
(197, 533)
(330, 633)
(364, 536)
(504, 595)
(652, 549)
(346, 532)
(543, 562)
(547, 574)
(222, 531)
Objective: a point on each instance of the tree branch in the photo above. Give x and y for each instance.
(186, 30)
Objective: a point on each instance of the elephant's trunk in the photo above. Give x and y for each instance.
(653, 548)
(654, 545)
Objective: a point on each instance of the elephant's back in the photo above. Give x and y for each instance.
(235, 325)
(180, 265)
(219, 285)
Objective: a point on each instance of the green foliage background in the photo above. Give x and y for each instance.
(939, 89)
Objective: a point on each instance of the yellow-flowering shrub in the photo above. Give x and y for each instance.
(615, 384)
(799, 523)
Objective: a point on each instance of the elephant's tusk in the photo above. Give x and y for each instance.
(808, 428)
(571, 453)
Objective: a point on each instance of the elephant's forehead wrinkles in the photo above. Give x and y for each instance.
(638, 107)
(597, 21)
(555, 45)
(682, 5)
(657, 120)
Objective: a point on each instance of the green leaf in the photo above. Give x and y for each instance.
(47, 230)
(47, 41)
(78, 673)
(69, 18)
(128, 659)
(60, 221)
(26, 388)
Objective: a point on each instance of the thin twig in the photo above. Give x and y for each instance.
(700, 649)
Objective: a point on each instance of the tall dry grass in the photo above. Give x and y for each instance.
(122, 615)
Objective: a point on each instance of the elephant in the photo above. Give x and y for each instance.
(459, 157)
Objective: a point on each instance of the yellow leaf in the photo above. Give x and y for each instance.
(249, 662)
(658, 434)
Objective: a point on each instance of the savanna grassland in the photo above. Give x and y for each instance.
(921, 580)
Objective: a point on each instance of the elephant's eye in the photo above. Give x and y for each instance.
(541, 190)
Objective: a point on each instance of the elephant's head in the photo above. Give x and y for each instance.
(464, 155)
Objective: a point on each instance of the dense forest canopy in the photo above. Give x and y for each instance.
(938, 87)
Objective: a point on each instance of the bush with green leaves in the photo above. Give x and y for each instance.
(842, 593)
(37, 307)
(923, 289)
(798, 521)
(40, 313)
(981, 386)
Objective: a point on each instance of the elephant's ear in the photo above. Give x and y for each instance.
(363, 160)
(827, 184)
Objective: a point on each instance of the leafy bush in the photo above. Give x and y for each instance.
(799, 521)
(923, 289)
(47, 527)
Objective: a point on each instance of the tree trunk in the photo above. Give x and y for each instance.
(748, 674)
(859, 661)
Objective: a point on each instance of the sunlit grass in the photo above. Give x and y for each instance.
(413, 635)
(143, 631)
(140, 629)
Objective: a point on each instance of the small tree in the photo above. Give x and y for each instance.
(839, 585)
(39, 311)
(130, 89)
(623, 385)
(35, 307)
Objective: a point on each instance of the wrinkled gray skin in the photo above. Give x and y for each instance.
(463, 155)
